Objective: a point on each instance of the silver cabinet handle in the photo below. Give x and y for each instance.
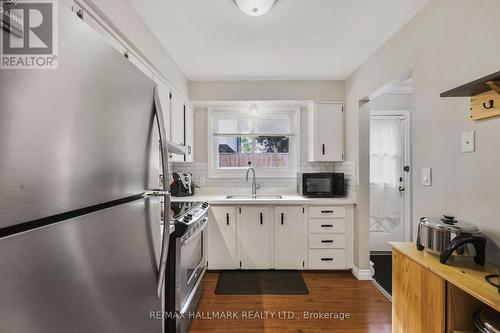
(174, 148)
(166, 193)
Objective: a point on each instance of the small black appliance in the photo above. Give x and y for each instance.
(321, 185)
(182, 184)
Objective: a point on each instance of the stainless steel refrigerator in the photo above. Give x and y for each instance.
(80, 244)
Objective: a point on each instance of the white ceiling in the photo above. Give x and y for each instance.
(297, 39)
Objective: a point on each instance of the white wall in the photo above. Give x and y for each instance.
(258, 91)
(391, 102)
(266, 90)
(450, 42)
(121, 16)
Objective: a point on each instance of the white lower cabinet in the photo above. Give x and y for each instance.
(281, 237)
(331, 237)
(221, 247)
(327, 259)
(255, 235)
(289, 237)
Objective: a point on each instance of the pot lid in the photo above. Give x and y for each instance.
(488, 320)
(450, 223)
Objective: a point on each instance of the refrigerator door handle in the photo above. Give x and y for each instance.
(166, 193)
(166, 235)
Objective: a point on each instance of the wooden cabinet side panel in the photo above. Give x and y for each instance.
(433, 302)
(418, 297)
(461, 307)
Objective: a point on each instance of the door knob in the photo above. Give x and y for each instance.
(401, 189)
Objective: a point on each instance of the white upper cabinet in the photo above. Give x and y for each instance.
(326, 132)
(181, 127)
(177, 120)
(189, 133)
(164, 94)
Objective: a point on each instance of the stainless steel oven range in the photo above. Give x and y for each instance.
(186, 264)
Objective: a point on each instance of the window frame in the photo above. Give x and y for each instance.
(291, 112)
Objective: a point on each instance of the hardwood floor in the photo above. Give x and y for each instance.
(329, 292)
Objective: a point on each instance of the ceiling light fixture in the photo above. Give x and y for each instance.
(255, 7)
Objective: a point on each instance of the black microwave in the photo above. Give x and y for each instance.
(321, 185)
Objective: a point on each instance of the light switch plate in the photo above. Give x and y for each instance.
(426, 177)
(468, 142)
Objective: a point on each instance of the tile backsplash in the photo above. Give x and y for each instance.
(286, 185)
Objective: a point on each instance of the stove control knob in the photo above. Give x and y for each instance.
(188, 218)
(204, 205)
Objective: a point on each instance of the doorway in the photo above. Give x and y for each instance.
(389, 176)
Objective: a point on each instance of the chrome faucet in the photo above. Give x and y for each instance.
(255, 186)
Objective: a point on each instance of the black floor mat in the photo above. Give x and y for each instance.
(382, 263)
(260, 282)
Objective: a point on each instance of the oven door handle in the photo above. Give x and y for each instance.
(199, 231)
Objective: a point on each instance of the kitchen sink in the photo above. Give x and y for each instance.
(248, 196)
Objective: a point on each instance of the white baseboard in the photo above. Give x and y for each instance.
(361, 274)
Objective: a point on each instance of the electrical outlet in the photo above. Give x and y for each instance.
(468, 142)
(426, 177)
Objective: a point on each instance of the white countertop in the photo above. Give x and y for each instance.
(287, 199)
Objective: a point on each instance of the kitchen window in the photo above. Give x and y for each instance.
(266, 139)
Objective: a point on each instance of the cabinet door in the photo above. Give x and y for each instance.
(189, 133)
(221, 241)
(177, 124)
(164, 94)
(418, 297)
(329, 132)
(254, 232)
(289, 250)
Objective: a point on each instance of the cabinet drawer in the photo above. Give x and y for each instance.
(326, 212)
(327, 259)
(335, 226)
(327, 241)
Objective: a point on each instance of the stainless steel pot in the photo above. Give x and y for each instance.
(447, 236)
(487, 321)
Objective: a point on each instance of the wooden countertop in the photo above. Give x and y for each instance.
(461, 272)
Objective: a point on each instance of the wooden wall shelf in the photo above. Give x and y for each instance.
(474, 88)
(484, 96)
